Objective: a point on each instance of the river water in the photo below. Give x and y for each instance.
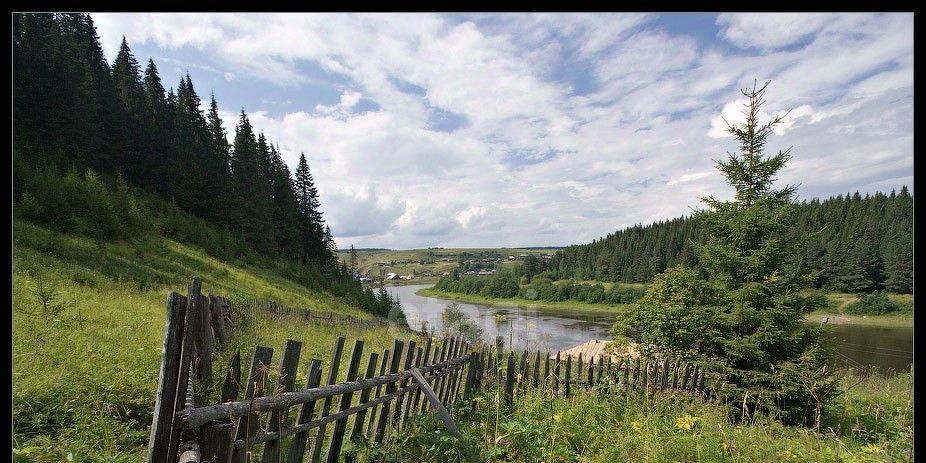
(886, 348)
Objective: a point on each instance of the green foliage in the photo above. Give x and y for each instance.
(75, 113)
(457, 323)
(871, 423)
(874, 303)
(504, 284)
(744, 318)
(853, 243)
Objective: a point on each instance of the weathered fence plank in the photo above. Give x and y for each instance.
(326, 405)
(285, 383)
(297, 446)
(257, 377)
(436, 403)
(397, 349)
(340, 426)
(232, 379)
(357, 430)
(159, 441)
(215, 442)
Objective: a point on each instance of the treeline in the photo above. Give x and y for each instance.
(518, 282)
(74, 112)
(855, 244)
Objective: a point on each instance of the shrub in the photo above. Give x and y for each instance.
(875, 303)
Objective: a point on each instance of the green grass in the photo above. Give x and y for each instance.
(838, 302)
(84, 377)
(872, 422)
(550, 307)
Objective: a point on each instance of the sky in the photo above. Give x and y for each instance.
(467, 130)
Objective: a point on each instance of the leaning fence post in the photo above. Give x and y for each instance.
(159, 442)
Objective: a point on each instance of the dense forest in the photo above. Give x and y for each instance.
(84, 127)
(855, 244)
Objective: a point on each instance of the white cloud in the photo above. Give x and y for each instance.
(770, 30)
(575, 125)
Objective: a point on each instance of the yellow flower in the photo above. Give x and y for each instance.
(686, 422)
(636, 426)
(871, 448)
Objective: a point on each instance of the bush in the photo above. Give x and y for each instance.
(875, 303)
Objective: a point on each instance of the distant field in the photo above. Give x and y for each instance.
(432, 262)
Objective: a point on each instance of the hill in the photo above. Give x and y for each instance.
(857, 244)
(426, 265)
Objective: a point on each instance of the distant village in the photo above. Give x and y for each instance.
(470, 263)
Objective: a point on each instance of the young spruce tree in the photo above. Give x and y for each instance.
(742, 317)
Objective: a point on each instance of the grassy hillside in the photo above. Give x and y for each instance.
(88, 320)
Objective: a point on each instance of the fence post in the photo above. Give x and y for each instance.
(509, 380)
(232, 379)
(568, 373)
(159, 441)
(373, 410)
(285, 383)
(409, 356)
(326, 405)
(204, 343)
(215, 442)
(424, 363)
(556, 377)
(397, 347)
(297, 446)
(248, 425)
(364, 398)
(340, 426)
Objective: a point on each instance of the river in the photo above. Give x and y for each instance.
(887, 348)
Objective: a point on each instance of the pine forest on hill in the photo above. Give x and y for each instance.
(84, 126)
(857, 244)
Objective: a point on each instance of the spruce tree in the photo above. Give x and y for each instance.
(745, 319)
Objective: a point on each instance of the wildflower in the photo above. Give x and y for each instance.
(871, 448)
(686, 422)
(636, 426)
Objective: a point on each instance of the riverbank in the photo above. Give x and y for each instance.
(558, 306)
(899, 320)
(903, 318)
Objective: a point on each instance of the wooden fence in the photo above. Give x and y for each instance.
(371, 405)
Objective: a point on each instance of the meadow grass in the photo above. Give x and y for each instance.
(88, 326)
(871, 422)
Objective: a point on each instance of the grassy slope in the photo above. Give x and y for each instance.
(617, 426)
(84, 381)
(839, 301)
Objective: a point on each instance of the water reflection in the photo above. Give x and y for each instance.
(887, 348)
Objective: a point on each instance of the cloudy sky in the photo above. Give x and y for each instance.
(528, 129)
